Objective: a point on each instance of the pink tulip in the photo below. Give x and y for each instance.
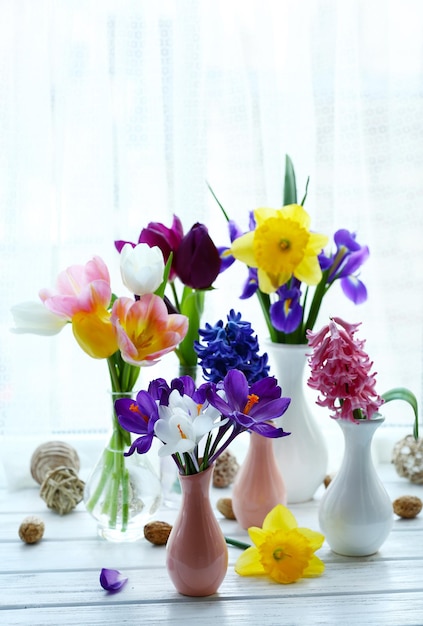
(145, 330)
(79, 288)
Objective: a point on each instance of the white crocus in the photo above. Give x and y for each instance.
(141, 268)
(183, 424)
(33, 317)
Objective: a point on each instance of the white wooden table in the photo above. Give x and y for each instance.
(57, 580)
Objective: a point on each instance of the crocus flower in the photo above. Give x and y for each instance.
(33, 317)
(138, 416)
(250, 407)
(141, 268)
(282, 551)
(281, 246)
(145, 330)
(230, 346)
(197, 260)
(341, 372)
(112, 579)
(183, 423)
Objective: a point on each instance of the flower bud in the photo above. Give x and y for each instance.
(141, 268)
(197, 260)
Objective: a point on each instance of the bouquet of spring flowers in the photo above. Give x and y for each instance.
(196, 424)
(341, 372)
(288, 268)
(127, 332)
(195, 264)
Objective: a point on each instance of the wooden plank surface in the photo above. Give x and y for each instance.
(57, 581)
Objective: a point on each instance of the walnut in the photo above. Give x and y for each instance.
(328, 479)
(224, 506)
(31, 529)
(225, 469)
(407, 457)
(407, 506)
(157, 532)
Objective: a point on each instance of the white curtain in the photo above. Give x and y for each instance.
(117, 113)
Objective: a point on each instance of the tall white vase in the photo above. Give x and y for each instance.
(302, 457)
(355, 513)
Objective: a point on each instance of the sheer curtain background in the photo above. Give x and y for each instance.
(115, 114)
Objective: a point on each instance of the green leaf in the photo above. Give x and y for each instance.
(161, 288)
(290, 186)
(192, 305)
(220, 205)
(402, 393)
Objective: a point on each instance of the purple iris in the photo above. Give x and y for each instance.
(348, 258)
(112, 580)
(196, 261)
(226, 258)
(250, 407)
(233, 345)
(138, 416)
(286, 313)
(250, 285)
(157, 234)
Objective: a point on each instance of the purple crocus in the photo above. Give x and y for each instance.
(196, 261)
(345, 262)
(112, 579)
(250, 407)
(138, 416)
(286, 313)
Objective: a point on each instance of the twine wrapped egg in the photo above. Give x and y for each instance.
(407, 457)
(55, 466)
(225, 469)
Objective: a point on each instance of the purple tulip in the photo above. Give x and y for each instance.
(157, 234)
(197, 262)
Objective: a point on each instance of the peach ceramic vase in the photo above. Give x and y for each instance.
(259, 485)
(196, 551)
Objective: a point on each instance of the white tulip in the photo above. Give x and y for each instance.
(33, 317)
(141, 268)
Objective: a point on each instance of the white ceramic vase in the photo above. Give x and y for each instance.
(355, 513)
(303, 456)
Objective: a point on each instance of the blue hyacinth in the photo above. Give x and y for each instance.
(230, 346)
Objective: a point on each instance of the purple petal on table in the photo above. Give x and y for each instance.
(112, 579)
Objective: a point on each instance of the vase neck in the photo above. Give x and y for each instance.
(196, 485)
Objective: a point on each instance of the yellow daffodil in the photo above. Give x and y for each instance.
(281, 246)
(281, 550)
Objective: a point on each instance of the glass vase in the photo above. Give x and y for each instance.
(196, 551)
(303, 456)
(355, 512)
(122, 492)
(258, 485)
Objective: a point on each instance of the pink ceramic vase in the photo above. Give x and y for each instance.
(196, 551)
(259, 485)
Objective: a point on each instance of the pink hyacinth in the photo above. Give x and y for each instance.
(340, 371)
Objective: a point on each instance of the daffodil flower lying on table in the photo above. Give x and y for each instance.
(341, 372)
(282, 550)
(182, 416)
(128, 332)
(288, 268)
(195, 263)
